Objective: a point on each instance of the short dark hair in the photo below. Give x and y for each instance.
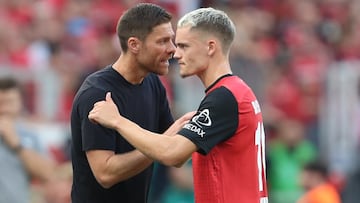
(7, 83)
(317, 166)
(139, 21)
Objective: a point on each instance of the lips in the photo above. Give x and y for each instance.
(166, 60)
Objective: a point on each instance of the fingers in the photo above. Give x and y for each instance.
(93, 121)
(92, 116)
(99, 103)
(103, 110)
(186, 117)
(108, 97)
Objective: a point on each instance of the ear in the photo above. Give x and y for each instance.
(212, 46)
(134, 44)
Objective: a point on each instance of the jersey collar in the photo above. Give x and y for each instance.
(216, 81)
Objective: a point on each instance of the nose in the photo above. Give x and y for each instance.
(176, 55)
(172, 48)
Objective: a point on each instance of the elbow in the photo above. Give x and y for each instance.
(179, 165)
(105, 185)
(173, 154)
(169, 162)
(105, 181)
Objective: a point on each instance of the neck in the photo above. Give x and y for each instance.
(130, 69)
(214, 72)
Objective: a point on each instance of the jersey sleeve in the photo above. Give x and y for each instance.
(215, 121)
(94, 136)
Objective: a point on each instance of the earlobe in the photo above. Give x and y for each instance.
(211, 48)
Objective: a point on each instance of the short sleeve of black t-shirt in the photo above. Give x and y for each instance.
(215, 121)
(91, 131)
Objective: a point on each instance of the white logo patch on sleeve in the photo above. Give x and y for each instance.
(202, 119)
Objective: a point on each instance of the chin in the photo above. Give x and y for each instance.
(184, 75)
(162, 72)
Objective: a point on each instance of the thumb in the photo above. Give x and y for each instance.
(108, 97)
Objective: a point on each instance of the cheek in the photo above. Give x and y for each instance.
(191, 56)
(155, 55)
(147, 58)
(18, 107)
(197, 61)
(15, 107)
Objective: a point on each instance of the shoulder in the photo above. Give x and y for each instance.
(220, 95)
(222, 103)
(233, 84)
(94, 86)
(98, 79)
(85, 99)
(89, 95)
(237, 86)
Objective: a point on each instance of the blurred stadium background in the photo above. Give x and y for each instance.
(301, 57)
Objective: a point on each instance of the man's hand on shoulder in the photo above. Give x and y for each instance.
(105, 113)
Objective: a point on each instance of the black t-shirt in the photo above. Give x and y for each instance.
(145, 104)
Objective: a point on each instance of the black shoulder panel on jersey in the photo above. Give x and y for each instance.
(216, 120)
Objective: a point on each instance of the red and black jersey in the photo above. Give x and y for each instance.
(229, 166)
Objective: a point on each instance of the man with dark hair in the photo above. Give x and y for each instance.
(106, 167)
(226, 136)
(314, 179)
(19, 148)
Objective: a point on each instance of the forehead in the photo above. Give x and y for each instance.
(182, 33)
(186, 34)
(162, 31)
(10, 93)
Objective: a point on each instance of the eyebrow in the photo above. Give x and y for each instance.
(166, 38)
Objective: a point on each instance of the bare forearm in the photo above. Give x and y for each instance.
(110, 168)
(169, 148)
(164, 149)
(37, 165)
(125, 166)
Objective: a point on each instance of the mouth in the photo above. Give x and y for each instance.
(166, 62)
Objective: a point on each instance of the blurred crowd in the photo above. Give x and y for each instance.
(299, 56)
